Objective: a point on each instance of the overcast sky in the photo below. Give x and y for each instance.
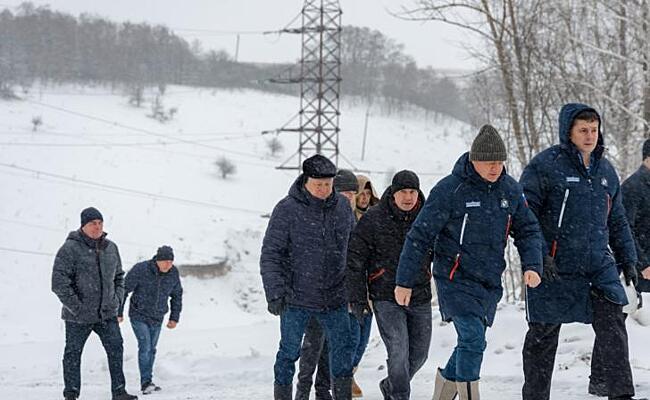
(430, 43)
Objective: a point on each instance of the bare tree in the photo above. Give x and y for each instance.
(36, 122)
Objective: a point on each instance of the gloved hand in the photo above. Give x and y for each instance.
(276, 306)
(359, 310)
(631, 275)
(550, 269)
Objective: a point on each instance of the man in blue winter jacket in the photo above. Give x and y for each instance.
(467, 219)
(303, 267)
(575, 193)
(155, 285)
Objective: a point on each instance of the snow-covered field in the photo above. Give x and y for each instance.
(157, 184)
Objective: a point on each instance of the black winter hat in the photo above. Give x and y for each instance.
(646, 149)
(318, 166)
(165, 253)
(405, 179)
(346, 181)
(488, 146)
(90, 214)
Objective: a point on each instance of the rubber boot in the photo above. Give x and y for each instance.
(444, 389)
(468, 390)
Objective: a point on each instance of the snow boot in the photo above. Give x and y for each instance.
(356, 390)
(282, 392)
(342, 388)
(124, 396)
(70, 396)
(468, 390)
(598, 388)
(625, 397)
(444, 389)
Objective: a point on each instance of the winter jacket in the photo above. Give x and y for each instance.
(374, 249)
(153, 292)
(88, 278)
(587, 204)
(467, 220)
(364, 183)
(636, 199)
(304, 249)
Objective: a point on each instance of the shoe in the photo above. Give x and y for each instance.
(625, 397)
(124, 396)
(150, 387)
(598, 389)
(70, 396)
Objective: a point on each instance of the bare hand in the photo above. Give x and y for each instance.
(646, 272)
(403, 295)
(120, 319)
(171, 324)
(532, 279)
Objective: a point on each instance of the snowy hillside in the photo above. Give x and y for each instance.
(157, 184)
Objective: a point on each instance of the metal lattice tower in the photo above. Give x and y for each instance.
(320, 82)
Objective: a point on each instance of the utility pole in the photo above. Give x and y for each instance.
(365, 134)
(237, 49)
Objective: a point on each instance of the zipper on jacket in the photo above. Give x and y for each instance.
(559, 223)
(508, 225)
(460, 241)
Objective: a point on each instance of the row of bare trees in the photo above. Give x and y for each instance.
(539, 54)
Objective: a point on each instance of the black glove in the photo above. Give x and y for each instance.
(550, 269)
(276, 306)
(359, 310)
(631, 275)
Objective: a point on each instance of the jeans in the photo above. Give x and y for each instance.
(147, 336)
(76, 335)
(360, 337)
(336, 325)
(406, 332)
(464, 365)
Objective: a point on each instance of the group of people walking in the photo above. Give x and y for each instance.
(326, 273)
(89, 281)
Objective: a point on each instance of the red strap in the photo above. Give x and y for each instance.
(376, 275)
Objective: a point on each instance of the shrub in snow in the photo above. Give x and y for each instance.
(226, 167)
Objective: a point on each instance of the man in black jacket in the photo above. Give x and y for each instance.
(373, 256)
(89, 281)
(636, 199)
(156, 288)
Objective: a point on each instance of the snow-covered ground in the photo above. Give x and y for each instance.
(157, 184)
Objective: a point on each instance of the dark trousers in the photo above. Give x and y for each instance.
(406, 332)
(314, 352)
(75, 339)
(610, 366)
(147, 336)
(293, 322)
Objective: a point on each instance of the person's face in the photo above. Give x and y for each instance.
(351, 196)
(164, 265)
(406, 199)
(584, 135)
(489, 170)
(363, 199)
(94, 229)
(320, 188)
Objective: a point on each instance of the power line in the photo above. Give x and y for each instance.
(141, 130)
(40, 253)
(132, 191)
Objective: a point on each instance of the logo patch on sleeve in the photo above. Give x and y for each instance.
(505, 203)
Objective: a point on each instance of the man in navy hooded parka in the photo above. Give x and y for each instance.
(303, 267)
(467, 219)
(575, 193)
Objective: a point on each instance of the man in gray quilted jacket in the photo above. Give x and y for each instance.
(89, 281)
